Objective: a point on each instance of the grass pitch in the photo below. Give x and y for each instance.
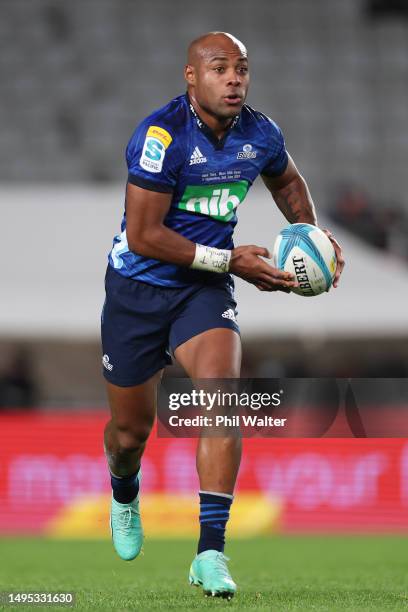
(278, 573)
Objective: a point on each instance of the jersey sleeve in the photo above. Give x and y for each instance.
(278, 159)
(153, 157)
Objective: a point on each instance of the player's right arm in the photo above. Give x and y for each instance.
(147, 235)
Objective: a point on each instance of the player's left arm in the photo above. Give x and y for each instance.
(292, 196)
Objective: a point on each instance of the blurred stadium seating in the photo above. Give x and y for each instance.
(78, 76)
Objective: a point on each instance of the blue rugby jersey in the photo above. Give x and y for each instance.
(173, 151)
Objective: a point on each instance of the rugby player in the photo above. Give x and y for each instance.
(169, 283)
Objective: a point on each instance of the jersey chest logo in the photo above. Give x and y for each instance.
(217, 201)
(246, 153)
(197, 157)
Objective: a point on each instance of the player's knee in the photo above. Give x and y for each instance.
(130, 439)
(221, 371)
(230, 442)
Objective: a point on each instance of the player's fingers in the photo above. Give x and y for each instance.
(339, 270)
(340, 263)
(262, 287)
(288, 283)
(339, 256)
(275, 283)
(338, 251)
(276, 274)
(284, 279)
(266, 282)
(333, 240)
(262, 251)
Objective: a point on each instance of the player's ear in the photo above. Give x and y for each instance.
(189, 74)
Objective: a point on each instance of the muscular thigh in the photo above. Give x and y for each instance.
(134, 408)
(215, 353)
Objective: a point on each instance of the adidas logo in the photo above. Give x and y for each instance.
(197, 157)
(229, 314)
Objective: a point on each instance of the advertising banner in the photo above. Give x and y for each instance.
(54, 465)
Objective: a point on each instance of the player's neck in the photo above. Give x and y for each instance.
(219, 126)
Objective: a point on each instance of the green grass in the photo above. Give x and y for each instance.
(279, 573)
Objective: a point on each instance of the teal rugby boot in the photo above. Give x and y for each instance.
(209, 570)
(126, 528)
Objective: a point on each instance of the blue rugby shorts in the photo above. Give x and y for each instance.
(141, 323)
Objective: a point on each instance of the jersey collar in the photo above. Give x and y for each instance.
(207, 131)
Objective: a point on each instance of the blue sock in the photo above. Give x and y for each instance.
(214, 514)
(125, 489)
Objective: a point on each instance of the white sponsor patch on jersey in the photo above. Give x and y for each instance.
(154, 149)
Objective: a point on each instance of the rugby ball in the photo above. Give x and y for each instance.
(306, 251)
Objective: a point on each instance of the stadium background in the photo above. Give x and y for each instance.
(76, 78)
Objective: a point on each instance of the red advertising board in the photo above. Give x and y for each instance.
(48, 461)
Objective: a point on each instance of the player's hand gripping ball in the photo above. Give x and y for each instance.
(307, 252)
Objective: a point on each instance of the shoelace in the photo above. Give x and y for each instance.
(124, 519)
(220, 565)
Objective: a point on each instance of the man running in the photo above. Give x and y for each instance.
(169, 284)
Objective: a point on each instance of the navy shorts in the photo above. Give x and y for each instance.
(142, 323)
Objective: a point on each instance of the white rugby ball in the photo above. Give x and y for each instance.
(306, 251)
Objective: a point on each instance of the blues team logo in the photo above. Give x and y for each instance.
(154, 149)
(106, 364)
(246, 153)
